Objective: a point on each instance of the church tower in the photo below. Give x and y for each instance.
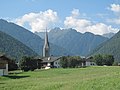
(46, 48)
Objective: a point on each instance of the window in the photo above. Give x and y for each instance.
(2, 66)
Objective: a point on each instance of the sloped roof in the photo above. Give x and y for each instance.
(89, 59)
(49, 59)
(3, 59)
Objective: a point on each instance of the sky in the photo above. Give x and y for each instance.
(96, 16)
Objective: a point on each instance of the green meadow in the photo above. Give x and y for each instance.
(89, 78)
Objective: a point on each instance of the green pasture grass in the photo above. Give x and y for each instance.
(89, 78)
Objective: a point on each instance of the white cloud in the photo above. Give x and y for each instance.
(114, 20)
(101, 28)
(78, 24)
(115, 8)
(84, 25)
(38, 21)
(75, 12)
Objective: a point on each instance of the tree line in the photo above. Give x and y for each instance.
(30, 63)
(71, 61)
(26, 64)
(104, 59)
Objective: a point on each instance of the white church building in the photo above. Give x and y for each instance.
(54, 62)
(47, 60)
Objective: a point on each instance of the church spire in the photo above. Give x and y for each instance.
(46, 48)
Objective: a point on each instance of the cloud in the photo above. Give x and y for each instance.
(79, 24)
(84, 25)
(116, 9)
(101, 28)
(114, 20)
(38, 21)
(75, 12)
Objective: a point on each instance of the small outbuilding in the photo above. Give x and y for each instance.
(3, 65)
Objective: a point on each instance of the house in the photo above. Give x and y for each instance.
(53, 62)
(89, 62)
(3, 65)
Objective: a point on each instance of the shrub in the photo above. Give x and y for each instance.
(12, 65)
(70, 61)
(29, 63)
(103, 59)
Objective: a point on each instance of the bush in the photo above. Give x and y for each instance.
(63, 62)
(108, 59)
(70, 61)
(98, 59)
(115, 63)
(12, 65)
(103, 59)
(29, 63)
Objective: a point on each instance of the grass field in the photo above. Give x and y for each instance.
(90, 78)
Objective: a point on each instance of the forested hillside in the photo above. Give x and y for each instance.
(13, 48)
(111, 46)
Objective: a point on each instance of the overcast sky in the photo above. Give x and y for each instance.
(96, 16)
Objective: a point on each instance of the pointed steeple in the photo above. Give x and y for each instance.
(46, 48)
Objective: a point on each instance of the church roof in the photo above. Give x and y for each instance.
(46, 44)
(46, 48)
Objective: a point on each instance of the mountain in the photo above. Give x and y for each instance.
(108, 35)
(22, 34)
(28, 38)
(73, 41)
(111, 46)
(13, 48)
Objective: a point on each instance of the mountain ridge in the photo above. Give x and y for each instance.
(111, 46)
(73, 41)
(14, 48)
(109, 35)
(21, 34)
(29, 39)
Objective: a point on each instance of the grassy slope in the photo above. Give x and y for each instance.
(90, 78)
